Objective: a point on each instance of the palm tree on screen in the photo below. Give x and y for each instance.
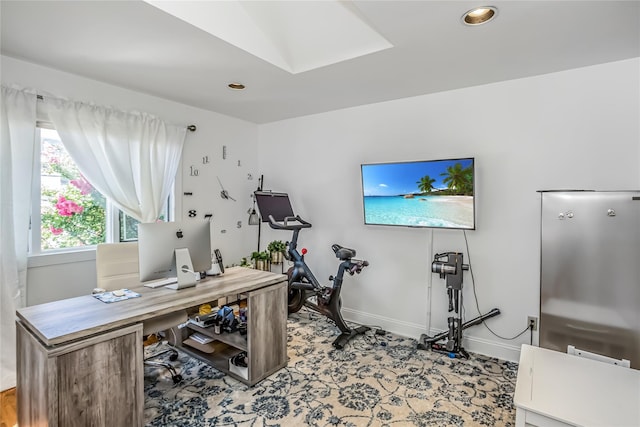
(458, 179)
(425, 184)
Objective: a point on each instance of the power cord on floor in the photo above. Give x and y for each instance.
(377, 331)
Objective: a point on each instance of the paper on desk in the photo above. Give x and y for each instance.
(109, 297)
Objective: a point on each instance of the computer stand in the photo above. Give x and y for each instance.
(184, 270)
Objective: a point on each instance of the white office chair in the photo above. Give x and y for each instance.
(117, 268)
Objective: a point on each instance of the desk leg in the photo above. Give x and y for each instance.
(97, 381)
(267, 331)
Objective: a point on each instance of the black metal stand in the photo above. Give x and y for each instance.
(344, 337)
(450, 266)
(331, 309)
(260, 182)
(453, 347)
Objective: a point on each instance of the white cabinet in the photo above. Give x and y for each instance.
(557, 389)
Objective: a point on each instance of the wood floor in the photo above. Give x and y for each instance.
(8, 417)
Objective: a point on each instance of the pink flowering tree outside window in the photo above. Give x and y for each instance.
(73, 213)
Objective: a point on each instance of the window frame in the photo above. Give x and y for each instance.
(37, 257)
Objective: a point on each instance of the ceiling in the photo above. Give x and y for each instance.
(136, 45)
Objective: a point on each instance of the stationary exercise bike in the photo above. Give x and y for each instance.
(304, 288)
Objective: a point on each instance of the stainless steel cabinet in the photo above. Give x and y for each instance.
(590, 272)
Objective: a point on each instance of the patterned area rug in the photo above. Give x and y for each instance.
(373, 381)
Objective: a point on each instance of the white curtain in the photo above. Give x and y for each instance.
(17, 139)
(131, 158)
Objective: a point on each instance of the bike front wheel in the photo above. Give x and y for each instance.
(296, 296)
(296, 300)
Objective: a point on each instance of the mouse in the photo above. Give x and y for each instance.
(118, 293)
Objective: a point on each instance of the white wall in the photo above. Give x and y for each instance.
(578, 129)
(63, 276)
(575, 129)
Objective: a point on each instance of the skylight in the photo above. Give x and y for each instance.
(296, 36)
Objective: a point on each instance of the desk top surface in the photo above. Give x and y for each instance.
(67, 320)
(577, 390)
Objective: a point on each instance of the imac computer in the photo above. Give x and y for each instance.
(174, 251)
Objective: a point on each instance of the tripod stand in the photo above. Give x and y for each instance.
(451, 270)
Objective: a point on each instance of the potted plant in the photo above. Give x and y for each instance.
(255, 256)
(261, 260)
(276, 248)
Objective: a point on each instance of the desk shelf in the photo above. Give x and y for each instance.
(219, 352)
(265, 341)
(219, 358)
(233, 339)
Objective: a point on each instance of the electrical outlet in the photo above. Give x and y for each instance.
(533, 320)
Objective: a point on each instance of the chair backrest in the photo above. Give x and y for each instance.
(117, 268)
(117, 265)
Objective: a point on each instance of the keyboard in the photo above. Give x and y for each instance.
(162, 282)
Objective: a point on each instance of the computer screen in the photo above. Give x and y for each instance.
(158, 241)
(275, 204)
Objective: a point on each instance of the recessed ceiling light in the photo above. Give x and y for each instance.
(236, 86)
(479, 15)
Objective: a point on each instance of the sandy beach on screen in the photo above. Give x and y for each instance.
(459, 200)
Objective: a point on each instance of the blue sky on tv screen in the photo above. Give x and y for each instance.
(392, 179)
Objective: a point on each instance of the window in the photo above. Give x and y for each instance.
(128, 226)
(67, 212)
(72, 212)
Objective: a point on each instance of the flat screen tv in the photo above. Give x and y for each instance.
(430, 193)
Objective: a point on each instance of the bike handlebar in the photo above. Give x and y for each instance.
(300, 223)
(356, 266)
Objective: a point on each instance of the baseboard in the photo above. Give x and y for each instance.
(411, 330)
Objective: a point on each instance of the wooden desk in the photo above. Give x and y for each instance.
(80, 361)
(557, 389)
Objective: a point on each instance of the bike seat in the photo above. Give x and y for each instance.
(343, 254)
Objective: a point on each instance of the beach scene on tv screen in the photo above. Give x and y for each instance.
(419, 194)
